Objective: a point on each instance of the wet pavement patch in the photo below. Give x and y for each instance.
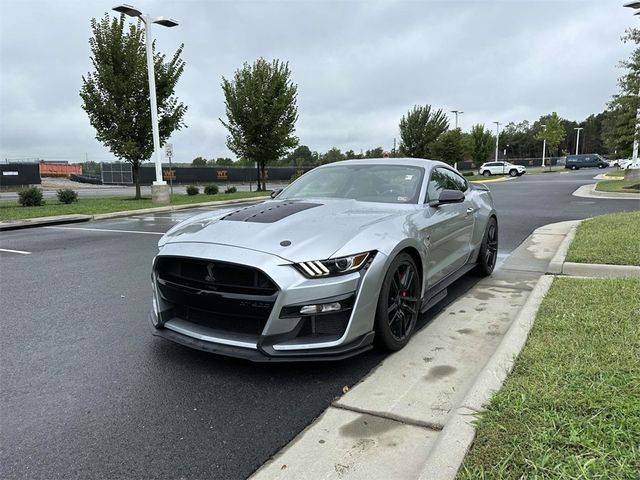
(439, 371)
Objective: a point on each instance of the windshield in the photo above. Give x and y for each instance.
(365, 182)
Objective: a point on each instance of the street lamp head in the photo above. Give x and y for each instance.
(634, 4)
(165, 22)
(127, 10)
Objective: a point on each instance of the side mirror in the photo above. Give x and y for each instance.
(448, 196)
(276, 192)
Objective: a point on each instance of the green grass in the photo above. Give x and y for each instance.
(613, 239)
(90, 206)
(616, 173)
(616, 186)
(571, 407)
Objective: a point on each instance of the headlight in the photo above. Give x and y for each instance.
(334, 266)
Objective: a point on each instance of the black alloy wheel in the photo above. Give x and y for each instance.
(489, 249)
(398, 304)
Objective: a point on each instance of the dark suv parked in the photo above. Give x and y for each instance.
(574, 162)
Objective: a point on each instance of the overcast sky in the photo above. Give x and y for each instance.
(359, 65)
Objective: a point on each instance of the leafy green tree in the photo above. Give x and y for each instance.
(377, 152)
(482, 143)
(116, 94)
(261, 110)
(224, 162)
(419, 129)
(448, 147)
(619, 124)
(333, 155)
(199, 162)
(554, 132)
(302, 155)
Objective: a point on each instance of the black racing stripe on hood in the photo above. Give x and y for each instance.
(269, 212)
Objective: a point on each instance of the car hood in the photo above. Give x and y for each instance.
(293, 230)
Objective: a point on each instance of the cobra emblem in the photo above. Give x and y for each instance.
(210, 277)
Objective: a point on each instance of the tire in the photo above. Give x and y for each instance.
(601, 166)
(398, 304)
(513, 172)
(486, 173)
(573, 167)
(489, 249)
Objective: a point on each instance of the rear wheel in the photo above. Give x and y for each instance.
(398, 304)
(489, 249)
(486, 173)
(573, 167)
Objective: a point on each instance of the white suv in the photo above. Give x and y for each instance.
(501, 168)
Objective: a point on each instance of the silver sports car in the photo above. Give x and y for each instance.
(345, 257)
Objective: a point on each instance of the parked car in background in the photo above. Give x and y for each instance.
(348, 254)
(624, 163)
(576, 162)
(501, 168)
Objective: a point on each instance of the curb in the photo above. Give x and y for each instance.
(556, 263)
(61, 219)
(589, 191)
(600, 270)
(449, 450)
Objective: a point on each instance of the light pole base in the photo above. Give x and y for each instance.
(160, 193)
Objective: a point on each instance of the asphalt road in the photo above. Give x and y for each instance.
(87, 392)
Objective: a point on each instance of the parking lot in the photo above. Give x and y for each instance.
(88, 392)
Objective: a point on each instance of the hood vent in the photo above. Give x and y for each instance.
(269, 212)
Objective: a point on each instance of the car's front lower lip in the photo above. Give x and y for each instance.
(190, 316)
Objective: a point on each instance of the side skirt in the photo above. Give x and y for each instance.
(439, 290)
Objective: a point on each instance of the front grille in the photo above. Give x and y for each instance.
(215, 276)
(223, 296)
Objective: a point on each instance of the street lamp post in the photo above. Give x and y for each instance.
(497, 138)
(457, 112)
(159, 188)
(578, 137)
(636, 6)
(544, 146)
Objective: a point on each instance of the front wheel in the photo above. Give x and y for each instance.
(489, 249)
(513, 173)
(398, 304)
(573, 167)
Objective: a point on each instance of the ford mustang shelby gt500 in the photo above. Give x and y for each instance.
(346, 256)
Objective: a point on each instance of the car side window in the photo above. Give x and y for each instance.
(444, 179)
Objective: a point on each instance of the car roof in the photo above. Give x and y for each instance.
(414, 162)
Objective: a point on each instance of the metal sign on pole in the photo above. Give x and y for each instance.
(168, 151)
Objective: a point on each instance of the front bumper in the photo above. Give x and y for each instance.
(284, 337)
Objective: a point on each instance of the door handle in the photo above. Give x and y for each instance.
(470, 210)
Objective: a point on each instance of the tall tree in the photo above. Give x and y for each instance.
(482, 143)
(261, 112)
(116, 94)
(199, 162)
(419, 129)
(553, 132)
(333, 155)
(448, 147)
(377, 152)
(620, 126)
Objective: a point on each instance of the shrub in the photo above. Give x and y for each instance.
(210, 189)
(30, 197)
(191, 190)
(231, 190)
(468, 174)
(66, 195)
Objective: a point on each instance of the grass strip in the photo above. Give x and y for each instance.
(92, 206)
(620, 186)
(571, 407)
(617, 173)
(610, 239)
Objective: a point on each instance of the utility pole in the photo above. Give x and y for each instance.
(457, 112)
(497, 138)
(578, 137)
(544, 147)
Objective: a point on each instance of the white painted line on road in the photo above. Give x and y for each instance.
(14, 251)
(106, 230)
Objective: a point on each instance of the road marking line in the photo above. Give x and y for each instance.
(14, 251)
(106, 230)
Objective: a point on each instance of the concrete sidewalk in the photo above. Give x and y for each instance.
(410, 417)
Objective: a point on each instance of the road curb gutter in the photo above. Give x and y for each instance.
(448, 452)
(44, 221)
(589, 191)
(600, 270)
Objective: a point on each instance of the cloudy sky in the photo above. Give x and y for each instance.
(359, 65)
